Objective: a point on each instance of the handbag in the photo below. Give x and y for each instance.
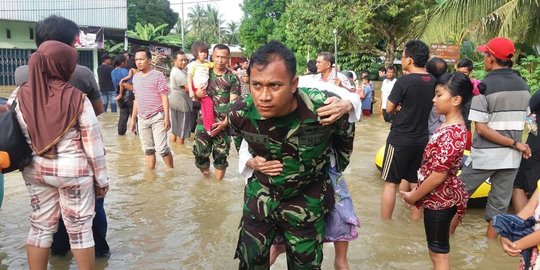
(13, 142)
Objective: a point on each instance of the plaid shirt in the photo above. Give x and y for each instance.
(344, 80)
(80, 150)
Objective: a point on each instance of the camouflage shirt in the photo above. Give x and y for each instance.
(300, 142)
(220, 88)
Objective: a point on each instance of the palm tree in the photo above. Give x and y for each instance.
(458, 20)
(214, 22)
(231, 30)
(205, 23)
(196, 21)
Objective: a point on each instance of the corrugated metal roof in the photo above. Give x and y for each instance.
(102, 13)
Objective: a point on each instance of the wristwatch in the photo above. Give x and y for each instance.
(514, 144)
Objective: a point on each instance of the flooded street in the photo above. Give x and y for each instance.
(176, 219)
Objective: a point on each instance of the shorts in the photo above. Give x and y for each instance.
(153, 135)
(437, 226)
(402, 162)
(528, 174)
(51, 196)
(499, 196)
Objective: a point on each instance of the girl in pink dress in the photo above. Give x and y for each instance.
(198, 75)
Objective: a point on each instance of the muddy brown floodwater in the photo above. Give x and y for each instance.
(176, 219)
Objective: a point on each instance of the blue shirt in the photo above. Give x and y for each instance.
(368, 92)
(118, 74)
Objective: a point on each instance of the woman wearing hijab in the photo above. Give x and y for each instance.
(68, 168)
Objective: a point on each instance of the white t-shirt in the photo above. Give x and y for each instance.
(386, 88)
(200, 73)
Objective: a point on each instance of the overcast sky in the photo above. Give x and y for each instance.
(229, 8)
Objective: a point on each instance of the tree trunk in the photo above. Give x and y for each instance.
(390, 52)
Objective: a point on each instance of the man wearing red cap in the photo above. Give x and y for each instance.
(498, 113)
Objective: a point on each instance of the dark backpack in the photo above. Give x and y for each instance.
(13, 141)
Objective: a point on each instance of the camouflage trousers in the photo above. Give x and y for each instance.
(300, 221)
(204, 145)
(237, 141)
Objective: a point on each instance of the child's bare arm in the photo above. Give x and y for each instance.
(128, 77)
(190, 85)
(431, 183)
(120, 91)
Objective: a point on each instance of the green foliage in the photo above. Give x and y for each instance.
(113, 48)
(371, 27)
(529, 67)
(174, 39)
(231, 33)
(309, 24)
(147, 32)
(457, 20)
(205, 23)
(479, 72)
(156, 12)
(468, 50)
(360, 62)
(260, 20)
(391, 22)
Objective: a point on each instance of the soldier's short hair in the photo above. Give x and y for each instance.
(222, 47)
(270, 52)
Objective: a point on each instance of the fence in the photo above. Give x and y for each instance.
(10, 59)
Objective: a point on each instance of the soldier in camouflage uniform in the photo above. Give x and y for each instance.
(279, 121)
(223, 88)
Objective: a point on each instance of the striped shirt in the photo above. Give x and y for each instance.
(503, 108)
(148, 89)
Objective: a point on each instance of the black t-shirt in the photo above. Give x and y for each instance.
(105, 78)
(534, 141)
(82, 78)
(414, 92)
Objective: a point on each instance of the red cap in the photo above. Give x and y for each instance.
(500, 48)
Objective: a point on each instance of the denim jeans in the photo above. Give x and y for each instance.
(514, 228)
(108, 98)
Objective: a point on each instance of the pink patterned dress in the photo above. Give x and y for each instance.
(444, 153)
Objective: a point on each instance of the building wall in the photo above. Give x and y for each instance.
(20, 34)
(103, 13)
(19, 16)
(16, 50)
